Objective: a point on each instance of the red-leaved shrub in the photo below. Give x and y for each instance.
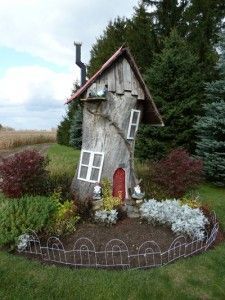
(177, 172)
(24, 173)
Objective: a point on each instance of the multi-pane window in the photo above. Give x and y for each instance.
(90, 168)
(133, 124)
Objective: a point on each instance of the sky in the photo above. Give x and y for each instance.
(37, 68)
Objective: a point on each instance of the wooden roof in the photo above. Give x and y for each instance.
(151, 113)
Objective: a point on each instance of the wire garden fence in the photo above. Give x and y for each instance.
(116, 253)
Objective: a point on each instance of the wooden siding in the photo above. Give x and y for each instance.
(119, 78)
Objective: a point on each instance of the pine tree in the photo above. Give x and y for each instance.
(63, 130)
(211, 127)
(76, 129)
(176, 85)
(136, 33)
(112, 38)
(198, 21)
(167, 15)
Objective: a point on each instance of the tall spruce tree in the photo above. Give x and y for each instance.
(112, 38)
(205, 20)
(176, 84)
(137, 33)
(198, 21)
(76, 129)
(167, 15)
(63, 130)
(211, 126)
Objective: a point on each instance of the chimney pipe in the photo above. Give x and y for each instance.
(79, 63)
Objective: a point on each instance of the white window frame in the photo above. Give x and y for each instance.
(133, 124)
(90, 165)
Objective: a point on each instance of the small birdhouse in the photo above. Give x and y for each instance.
(115, 101)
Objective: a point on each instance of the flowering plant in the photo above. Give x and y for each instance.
(106, 216)
(182, 218)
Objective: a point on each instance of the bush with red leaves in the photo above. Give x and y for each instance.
(177, 172)
(24, 173)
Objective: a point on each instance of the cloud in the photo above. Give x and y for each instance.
(34, 86)
(47, 28)
(24, 119)
(33, 93)
(32, 96)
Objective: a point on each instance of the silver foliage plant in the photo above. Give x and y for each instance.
(106, 216)
(182, 218)
(22, 242)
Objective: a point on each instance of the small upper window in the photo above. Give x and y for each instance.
(90, 168)
(133, 124)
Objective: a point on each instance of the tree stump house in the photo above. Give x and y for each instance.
(115, 100)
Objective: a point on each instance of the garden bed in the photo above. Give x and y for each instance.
(129, 244)
(132, 232)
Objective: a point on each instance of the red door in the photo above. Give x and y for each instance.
(119, 184)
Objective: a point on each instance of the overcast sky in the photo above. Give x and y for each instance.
(37, 54)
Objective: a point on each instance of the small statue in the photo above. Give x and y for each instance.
(103, 92)
(97, 193)
(137, 193)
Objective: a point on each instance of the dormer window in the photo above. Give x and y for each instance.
(133, 124)
(90, 167)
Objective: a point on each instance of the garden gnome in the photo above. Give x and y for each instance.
(97, 193)
(137, 193)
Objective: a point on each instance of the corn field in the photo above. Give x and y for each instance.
(13, 139)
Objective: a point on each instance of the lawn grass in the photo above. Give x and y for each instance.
(198, 277)
(214, 197)
(63, 160)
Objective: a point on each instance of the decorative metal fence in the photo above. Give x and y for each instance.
(116, 253)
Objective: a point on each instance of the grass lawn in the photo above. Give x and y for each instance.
(63, 160)
(198, 277)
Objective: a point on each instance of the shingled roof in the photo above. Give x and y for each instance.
(150, 107)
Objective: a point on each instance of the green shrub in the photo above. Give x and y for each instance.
(109, 202)
(66, 216)
(18, 215)
(61, 182)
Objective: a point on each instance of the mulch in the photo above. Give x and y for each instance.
(132, 232)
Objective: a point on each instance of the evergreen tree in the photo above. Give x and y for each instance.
(167, 15)
(76, 129)
(205, 20)
(211, 127)
(198, 21)
(136, 33)
(141, 37)
(63, 130)
(112, 38)
(176, 85)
